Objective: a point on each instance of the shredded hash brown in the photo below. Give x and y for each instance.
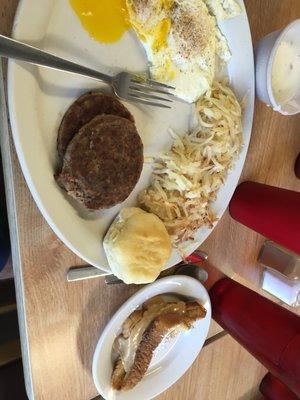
(186, 179)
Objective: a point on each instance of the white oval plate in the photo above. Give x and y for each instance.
(172, 358)
(38, 98)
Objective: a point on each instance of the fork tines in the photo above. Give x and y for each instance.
(145, 91)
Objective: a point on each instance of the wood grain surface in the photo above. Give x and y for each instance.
(275, 144)
(61, 322)
(223, 371)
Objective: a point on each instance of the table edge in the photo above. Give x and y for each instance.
(6, 147)
(14, 234)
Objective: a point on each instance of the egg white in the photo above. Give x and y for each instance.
(191, 75)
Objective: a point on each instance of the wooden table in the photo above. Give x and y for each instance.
(60, 322)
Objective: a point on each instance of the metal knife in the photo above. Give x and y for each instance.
(76, 274)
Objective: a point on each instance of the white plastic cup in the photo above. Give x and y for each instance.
(265, 54)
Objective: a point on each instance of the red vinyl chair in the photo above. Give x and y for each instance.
(268, 331)
(273, 212)
(273, 389)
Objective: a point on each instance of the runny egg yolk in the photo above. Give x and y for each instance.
(161, 33)
(105, 20)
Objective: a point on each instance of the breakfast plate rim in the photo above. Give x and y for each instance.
(37, 195)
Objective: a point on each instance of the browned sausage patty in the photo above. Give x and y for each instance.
(103, 162)
(82, 111)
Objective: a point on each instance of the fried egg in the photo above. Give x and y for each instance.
(105, 20)
(180, 41)
(223, 9)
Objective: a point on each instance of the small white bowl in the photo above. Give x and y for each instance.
(265, 54)
(171, 359)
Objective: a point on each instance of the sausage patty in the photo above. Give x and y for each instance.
(82, 111)
(103, 162)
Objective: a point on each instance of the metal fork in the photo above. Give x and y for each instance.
(125, 85)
